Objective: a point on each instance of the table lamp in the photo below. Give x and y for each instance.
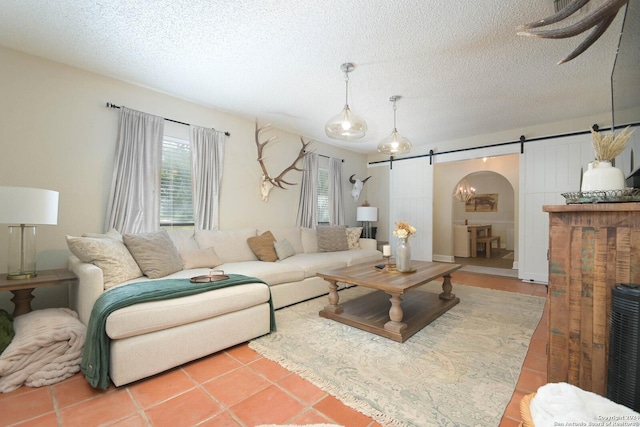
(366, 214)
(27, 207)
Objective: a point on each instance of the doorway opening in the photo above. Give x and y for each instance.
(489, 213)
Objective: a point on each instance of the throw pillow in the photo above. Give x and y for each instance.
(262, 246)
(292, 235)
(353, 237)
(332, 238)
(111, 255)
(200, 258)
(154, 252)
(284, 249)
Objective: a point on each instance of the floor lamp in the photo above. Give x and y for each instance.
(367, 214)
(27, 207)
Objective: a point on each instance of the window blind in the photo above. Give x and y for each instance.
(176, 205)
(323, 196)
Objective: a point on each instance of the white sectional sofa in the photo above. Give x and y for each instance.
(150, 337)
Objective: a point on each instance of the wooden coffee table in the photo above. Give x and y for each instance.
(401, 318)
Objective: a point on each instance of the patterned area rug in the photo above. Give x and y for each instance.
(459, 370)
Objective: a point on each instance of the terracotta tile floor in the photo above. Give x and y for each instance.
(236, 387)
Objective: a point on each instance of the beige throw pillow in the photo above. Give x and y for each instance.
(154, 252)
(262, 246)
(332, 238)
(110, 255)
(353, 237)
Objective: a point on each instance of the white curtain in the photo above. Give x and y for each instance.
(308, 204)
(207, 159)
(336, 196)
(134, 204)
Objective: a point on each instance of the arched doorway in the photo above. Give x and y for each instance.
(493, 205)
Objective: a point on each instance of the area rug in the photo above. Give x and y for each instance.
(460, 370)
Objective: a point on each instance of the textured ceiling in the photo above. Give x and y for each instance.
(458, 65)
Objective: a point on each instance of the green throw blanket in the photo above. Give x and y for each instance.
(6, 330)
(95, 359)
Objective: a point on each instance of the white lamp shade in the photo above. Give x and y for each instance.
(366, 213)
(22, 205)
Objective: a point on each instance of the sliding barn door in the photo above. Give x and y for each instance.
(548, 169)
(411, 200)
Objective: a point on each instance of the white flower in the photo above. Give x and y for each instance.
(403, 230)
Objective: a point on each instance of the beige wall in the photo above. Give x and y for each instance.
(57, 133)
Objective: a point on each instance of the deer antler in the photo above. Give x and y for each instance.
(601, 18)
(267, 181)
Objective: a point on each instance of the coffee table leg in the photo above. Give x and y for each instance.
(334, 299)
(446, 288)
(395, 314)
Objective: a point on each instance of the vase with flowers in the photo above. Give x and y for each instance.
(403, 253)
(601, 175)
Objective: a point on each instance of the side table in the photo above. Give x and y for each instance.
(22, 289)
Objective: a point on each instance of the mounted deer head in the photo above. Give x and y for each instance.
(268, 182)
(357, 186)
(600, 18)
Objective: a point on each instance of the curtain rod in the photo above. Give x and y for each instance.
(327, 157)
(322, 155)
(521, 141)
(110, 105)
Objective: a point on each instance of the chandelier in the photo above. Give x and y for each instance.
(464, 191)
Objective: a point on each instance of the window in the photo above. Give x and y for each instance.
(176, 206)
(323, 196)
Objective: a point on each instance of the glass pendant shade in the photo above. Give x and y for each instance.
(346, 125)
(395, 143)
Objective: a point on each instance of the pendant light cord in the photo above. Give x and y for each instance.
(395, 129)
(346, 88)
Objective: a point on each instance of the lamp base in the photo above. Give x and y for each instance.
(21, 276)
(366, 231)
(22, 252)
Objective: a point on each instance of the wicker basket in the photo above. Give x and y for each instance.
(525, 414)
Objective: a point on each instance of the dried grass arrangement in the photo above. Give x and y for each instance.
(608, 147)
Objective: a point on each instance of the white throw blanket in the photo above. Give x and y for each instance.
(46, 349)
(558, 404)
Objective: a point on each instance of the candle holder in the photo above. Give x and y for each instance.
(387, 261)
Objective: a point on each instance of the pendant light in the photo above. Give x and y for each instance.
(395, 143)
(346, 125)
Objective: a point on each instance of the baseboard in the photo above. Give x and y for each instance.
(515, 265)
(443, 258)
